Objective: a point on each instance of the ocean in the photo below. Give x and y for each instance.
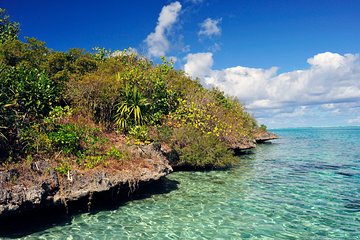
(305, 185)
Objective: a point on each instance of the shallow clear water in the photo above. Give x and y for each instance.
(305, 185)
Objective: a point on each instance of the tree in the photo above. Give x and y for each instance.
(8, 30)
(30, 54)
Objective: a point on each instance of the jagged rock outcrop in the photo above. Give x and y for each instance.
(39, 186)
(261, 137)
(27, 187)
(244, 144)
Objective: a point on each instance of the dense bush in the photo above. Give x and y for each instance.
(198, 149)
(94, 94)
(140, 134)
(66, 138)
(31, 54)
(26, 96)
(150, 83)
(202, 110)
(66, 103)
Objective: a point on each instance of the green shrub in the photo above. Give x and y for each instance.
(40, 88)
(101, 54)
(30, 93)
(95, 93)
(66, 138)
(26, 97)
(35, 140)
(92, 161)
(84, 65)
(8, 29)
(57, 114)
(161, 134)
(139, 134)
(92, 142)
(263, 128)
(35, 93)
(63, 168)
(115, 153)
(29, 54)
(201, 150)
(221, 98)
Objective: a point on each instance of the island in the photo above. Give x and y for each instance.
(76, 124)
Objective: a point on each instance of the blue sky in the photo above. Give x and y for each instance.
(292, 63)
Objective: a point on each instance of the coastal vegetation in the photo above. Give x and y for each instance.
(80, 109)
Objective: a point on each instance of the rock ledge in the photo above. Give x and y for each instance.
(38, 186)
(265, 136)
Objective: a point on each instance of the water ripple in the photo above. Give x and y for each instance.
(306, 186)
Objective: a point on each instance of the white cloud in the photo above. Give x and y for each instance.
(331, 79)
(157, 42)
(297, 112)
(355, 121)
(199, 65)
(210, 27)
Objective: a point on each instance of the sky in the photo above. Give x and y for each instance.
(291, 63)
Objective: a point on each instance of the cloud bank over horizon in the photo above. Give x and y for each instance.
(331, 83)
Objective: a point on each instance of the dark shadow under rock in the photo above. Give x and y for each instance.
(34, 221)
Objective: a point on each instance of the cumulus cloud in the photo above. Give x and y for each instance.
(199, 65)
(157, 42)
(210, 27)
(331, 79)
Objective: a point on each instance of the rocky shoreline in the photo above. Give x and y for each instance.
(36, 186)
(30, 188)
(264, 137)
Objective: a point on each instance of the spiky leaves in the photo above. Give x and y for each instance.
(131, 109)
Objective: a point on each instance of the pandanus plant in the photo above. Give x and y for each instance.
(131, 109)
(5, 117)
(2, 136)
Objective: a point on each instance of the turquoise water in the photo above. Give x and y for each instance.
(305, 185)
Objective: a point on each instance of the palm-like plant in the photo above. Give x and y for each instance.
(131, 109)
(2, 136)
